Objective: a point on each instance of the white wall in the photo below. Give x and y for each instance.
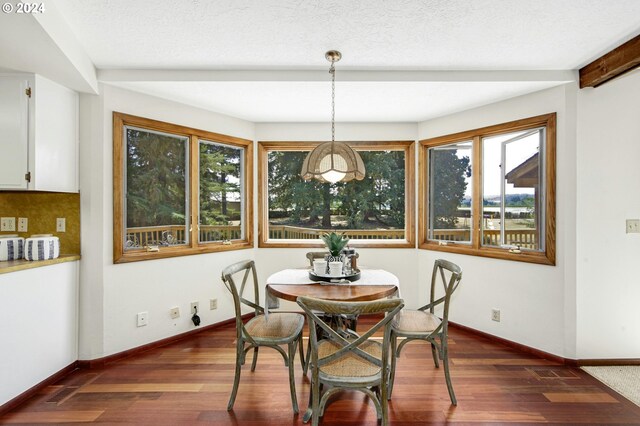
(111, 294)
(402, 262)
(542, 306)
(92, 167)
(608, 193)
(533, 299)
(40, 320)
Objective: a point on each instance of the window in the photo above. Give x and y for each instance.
(220, 203)
(491, 191)
(168, 178)
(374, 212)
(450, 191)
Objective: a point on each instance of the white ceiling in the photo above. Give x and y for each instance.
(355, 101)
(286, 35)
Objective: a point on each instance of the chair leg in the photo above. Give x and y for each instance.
(236, 380)
(315, 405)
(394, 356)
(434, 353)
(377, 391)
(308, 359)
(313, 410)
(447, 376)
(302, 360)
(255, 358)
(307, 415)
(292, 383)
(352, 322)
(384, 402)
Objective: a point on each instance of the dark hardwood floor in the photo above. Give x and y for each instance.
(188, 382)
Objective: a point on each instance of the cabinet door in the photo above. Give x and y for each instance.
(14, 136)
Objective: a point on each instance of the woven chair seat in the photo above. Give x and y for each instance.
(350, 365)
(278, 326)
(411, 321)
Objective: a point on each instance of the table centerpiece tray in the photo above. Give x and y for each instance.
(354, 276)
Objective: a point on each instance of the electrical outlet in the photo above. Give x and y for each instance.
(143, 318)
(61, 224)
(633, 226)
(195, 307)
(174, 312)
(495, 315)
(213, 304)
(8, 224)
(23, 224)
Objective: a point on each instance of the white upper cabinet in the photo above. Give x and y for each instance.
(38, 134)
(14, 135)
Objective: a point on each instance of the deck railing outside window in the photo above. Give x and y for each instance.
(174, 234)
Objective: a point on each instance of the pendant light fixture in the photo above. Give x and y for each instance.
(333, 161)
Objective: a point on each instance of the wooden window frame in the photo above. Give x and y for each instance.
(263, 203)
(120, 120)
(546, 257)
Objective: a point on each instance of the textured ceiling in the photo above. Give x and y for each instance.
(435, 34)
(372, 35)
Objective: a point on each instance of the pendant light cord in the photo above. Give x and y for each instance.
(332, 71)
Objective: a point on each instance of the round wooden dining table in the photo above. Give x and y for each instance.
(337, 292)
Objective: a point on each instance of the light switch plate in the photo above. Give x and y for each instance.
(61, 224)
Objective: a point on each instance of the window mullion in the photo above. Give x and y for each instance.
(503, 197)
(194, 189)
(476, 179)
(430, 196)
(409, 193)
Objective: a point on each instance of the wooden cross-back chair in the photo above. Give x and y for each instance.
(357, 363)
(423, 324)
(315, 255)
(280, 328)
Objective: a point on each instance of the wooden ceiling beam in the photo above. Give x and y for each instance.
(620, 60)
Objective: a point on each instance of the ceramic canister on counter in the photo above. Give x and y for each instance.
(41, 247)
(11, 247)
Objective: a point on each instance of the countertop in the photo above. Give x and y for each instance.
(19, 265)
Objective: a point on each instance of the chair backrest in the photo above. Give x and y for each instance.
(441, 269)
(390, 307)
(249, 269)
(314, 255)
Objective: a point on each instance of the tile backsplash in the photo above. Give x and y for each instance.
(42, 209)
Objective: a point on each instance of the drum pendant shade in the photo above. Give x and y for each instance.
(333, 161)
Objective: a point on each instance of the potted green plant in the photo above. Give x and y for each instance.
(335, 243)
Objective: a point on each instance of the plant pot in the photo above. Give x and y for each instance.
(340, 258)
